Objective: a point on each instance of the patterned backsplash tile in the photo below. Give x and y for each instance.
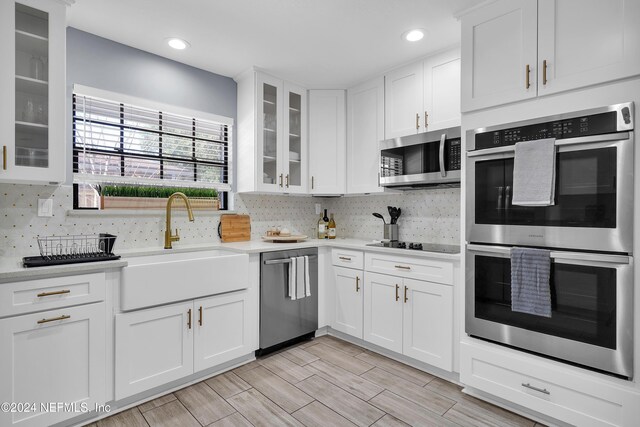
(427, 216)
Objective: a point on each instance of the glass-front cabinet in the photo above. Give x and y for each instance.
(32, 81)
(276, 143)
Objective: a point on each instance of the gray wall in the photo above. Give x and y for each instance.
(104, 64)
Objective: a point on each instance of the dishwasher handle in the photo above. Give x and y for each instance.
(284, 260)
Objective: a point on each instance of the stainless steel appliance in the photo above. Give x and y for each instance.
(592, 307)
(594, 183)
(415, 246)
(425, 159)
(283, 320)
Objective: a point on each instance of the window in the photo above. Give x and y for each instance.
(117, 142)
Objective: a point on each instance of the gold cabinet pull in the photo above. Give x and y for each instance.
(397, 292)
(357, 284)
(403, 267)
(544, 72)
(406, 298)
(346, 258)
(527, 76)
(4, 157)
(200, 316)
(281, 180)
(54, 319)
(312, 182)
(48, 294)
(189, 318)
(287, 181)
(417, 121)
(426, 119)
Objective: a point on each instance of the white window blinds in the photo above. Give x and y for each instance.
(118, 142)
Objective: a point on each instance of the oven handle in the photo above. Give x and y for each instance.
(558, 255)
(559, 143)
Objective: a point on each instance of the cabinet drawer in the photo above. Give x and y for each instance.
(347, 258)
(48, 294)
(544, 388)
(412, 268)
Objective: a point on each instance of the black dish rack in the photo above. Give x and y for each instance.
(72, 249)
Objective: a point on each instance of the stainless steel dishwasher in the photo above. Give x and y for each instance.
(282, 320)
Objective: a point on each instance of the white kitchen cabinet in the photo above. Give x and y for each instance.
(347, 317)
(222, 329)
(365, 129)
(327, 142)
(423, 96)
(514, 50)
(32, 83)
(428, 323)
(585, 42)
(52, 356)
(153, 347)
(272, 135)
(383, 311)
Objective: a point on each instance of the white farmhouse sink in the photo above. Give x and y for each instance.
(169, 277)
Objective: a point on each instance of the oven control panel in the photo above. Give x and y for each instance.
(596, 124)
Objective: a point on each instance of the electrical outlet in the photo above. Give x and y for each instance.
(45, 207)
(318, 208)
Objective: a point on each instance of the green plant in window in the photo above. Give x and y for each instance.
(154, 192)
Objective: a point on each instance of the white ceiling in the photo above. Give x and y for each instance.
(317, 43)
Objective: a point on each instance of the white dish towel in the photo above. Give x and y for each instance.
(534, 173)
(299, 283)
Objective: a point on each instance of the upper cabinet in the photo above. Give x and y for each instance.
(365, 129)
(327, 142)
(272, 143)
(518, 49)
(423, 96)
(32, 85)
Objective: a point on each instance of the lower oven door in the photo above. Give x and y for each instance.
(591, 300)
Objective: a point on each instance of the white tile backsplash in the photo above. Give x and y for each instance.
(427, 216)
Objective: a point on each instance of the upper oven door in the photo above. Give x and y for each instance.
(594, 197)
(591, 301)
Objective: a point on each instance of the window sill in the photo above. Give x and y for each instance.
(92, 213)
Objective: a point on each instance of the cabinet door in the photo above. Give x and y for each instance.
(428, 323)
(295, 139)
(32, 83)
(442, 91)
(45, 360)
(383, 311)
(153, 347)
(584, 42)
(348, 301)
(365, 129)
(221, 329)
(403, 101)
(327, 141)
(269, 127)
(499, 42)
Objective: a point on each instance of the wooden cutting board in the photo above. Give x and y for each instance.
(235, 228)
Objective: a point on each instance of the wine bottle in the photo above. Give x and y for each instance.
(322, 228)
(332, 228)
(326, 224)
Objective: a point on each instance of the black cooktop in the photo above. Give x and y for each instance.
(416, 246)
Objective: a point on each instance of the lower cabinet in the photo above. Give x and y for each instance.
(52, 356)
(412, 317)
(163, 344)
(347, 317)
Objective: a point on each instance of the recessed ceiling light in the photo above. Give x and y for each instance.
(413, 35)
(177, 43)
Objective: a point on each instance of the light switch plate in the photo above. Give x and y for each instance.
(318, 208)
(45, 207)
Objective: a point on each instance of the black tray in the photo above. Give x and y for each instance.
(40, 261)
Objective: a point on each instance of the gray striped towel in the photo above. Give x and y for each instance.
(530, 288)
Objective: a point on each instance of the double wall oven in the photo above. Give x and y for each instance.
(588, 229)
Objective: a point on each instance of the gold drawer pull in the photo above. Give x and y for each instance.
(397, 289)
(344, 258)
(357, 284)
(406, 298)
(189, 318)
(200, 317)
(48, 294)
(403, 267)
(53, 319)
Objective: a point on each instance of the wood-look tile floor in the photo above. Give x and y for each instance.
(323, 382)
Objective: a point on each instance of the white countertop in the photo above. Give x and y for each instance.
(11, 269)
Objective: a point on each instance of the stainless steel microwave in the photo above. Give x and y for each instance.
(425, 159)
